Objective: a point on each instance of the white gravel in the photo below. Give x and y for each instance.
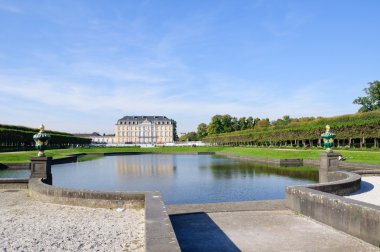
(369, 190)
(29, 225)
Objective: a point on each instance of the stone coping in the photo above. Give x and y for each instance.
(358, 166)
(323, 203)
(368, 172)
(15, 166)
(87, 198)
(13, 183)
(159, 233)
(261, 205)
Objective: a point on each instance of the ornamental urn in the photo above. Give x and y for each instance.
(42, 140)
(328, 139)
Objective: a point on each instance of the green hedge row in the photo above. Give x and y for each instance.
(360, 125)
(23, 136)
(23, 128)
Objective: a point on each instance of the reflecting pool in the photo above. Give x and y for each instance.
(183, 179)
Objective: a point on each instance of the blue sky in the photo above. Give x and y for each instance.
(79, 66)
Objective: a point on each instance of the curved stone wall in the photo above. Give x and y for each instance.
(323, 203)
(52, 194)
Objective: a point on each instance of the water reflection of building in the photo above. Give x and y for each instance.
(145, 165)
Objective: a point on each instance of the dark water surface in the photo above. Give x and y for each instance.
(182, 179)
(11, 173)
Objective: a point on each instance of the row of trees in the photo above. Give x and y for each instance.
(222, 126)
(226, 124)
(14, 137)
(361, 130)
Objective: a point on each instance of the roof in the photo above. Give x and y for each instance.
(87, 135)
(140, 119)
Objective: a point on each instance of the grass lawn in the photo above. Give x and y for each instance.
(24, 156)
(355, 156)
(370, 157)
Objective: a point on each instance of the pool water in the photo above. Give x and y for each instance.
(183, 179)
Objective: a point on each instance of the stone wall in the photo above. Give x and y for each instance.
(271, 161)
(311, 163)
(358, 166)
(88, 198)
(13, 183)
(159, 233)
(14, 165)
(322, 203)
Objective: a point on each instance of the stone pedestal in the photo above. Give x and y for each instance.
(328, 163)
(41, 168)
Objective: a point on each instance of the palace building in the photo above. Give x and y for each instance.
(144, 130)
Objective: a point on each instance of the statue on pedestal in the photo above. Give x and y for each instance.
(328, 139)
(42, 140)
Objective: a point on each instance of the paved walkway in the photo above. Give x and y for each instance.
(250, 230)
(369, 190)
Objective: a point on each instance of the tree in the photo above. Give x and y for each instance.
(235, 124)
(282, 122)
(372, 100)
(175, 135)
(215, 126)
(191, 136)
(250, 123)
(202, 130)
(255, 121)
(226, 123)
(286, 119)
(242, 123)
(263, 123)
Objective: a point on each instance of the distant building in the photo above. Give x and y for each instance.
(96, 138)
(144, 130)
(108, 139)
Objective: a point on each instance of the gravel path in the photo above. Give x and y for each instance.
(29, 225)
(369, 190)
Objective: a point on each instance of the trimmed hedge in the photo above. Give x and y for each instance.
(347, 127)
(19, 136)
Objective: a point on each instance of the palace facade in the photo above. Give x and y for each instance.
(144, 130)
